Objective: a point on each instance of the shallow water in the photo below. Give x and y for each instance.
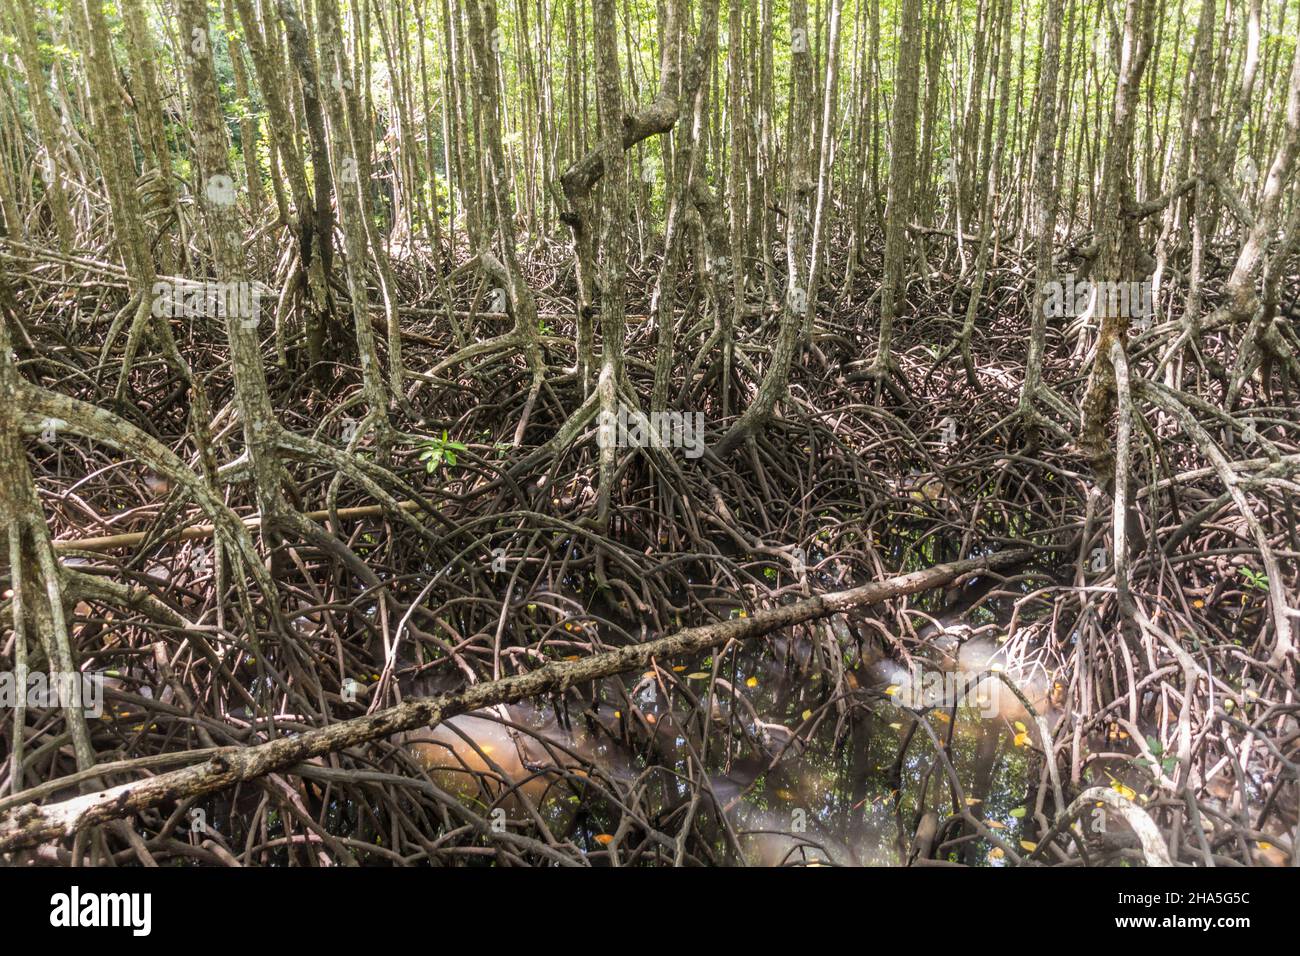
(846, 794)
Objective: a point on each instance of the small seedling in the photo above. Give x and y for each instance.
(1255, 579)
(440, 451)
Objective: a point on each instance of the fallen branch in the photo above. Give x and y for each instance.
(129, 539)
(29, 824)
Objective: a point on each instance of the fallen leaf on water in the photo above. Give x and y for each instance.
(807, 714)
(1018, 812)
(892, 689)
(1126, 792)
(1263, 844)
(995, 824)
(679, 668)
(698, 675)
(1021, 739)
(751, 682)
(996, 853)
(895, 726)
(972, 801)
(1198, 603)
(604, 839)
(785, 794)
(1021, 727)
(1029, 845)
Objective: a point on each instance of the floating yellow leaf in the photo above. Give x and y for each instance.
(604, 839)
(1018, 812)
(1021, 739)
(1198, 603)
(940, 716)
(751, 682)
(1028, 845)
(892, 689)
(1126, 792)
(807, 714)
(698, 675)
(1263, 844)
(972, 801)
(995, 824)
(1020, 727)
(572, 657)
(785, 794)
(679, 668)
(895, 726)
(996, 853)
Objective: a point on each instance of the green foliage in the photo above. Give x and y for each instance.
(437, 453)
(1254, 579)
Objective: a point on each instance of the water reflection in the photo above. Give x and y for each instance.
(800, 777)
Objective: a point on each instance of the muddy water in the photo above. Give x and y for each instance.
(851, 792)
